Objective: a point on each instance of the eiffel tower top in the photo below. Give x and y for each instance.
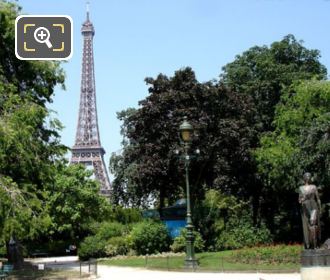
(87, 27)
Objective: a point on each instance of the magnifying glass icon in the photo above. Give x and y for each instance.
(41, 35)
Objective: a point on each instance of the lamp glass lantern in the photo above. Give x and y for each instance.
(186, 131)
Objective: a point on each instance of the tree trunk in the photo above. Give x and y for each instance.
(256, 203)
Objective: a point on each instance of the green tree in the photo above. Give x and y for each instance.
(148, 165)
(299, 143)
(33, 80)
(74, 203)
(123, 185)
(29, 139)
(264, 73)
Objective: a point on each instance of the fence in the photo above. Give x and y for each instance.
(57, 270)
(86, 268)
(224, 264)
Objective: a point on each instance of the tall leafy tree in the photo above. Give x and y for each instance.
(33, 80)
(264, 73)
(221, 119)
(123, 184)
(29, 139)
(74, 203)
(299, 143)
(40, 196)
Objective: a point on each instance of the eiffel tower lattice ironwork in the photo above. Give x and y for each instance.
(87, 148)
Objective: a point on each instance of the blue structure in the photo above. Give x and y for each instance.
(174, 217)
(174, 226)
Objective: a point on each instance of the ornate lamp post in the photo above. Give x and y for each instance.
(186, 133)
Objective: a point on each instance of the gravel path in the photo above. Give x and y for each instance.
(123, 273)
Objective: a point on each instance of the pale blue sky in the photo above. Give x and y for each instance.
(139, 38)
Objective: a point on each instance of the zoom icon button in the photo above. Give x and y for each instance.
(43, 37)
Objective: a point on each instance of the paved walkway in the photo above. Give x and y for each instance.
(123, 273)
(53, 259)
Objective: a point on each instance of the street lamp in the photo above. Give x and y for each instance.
(186, 133)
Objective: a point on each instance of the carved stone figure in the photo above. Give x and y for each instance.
(310, 213)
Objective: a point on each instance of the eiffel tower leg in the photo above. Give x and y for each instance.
(102, 176)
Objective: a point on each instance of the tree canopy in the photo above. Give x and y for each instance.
(299, 143)
(39, 194)
(29, 137)
(221, 121)
(236, 119)
(264, 72)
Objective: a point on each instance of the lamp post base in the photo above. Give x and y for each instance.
(190, 263)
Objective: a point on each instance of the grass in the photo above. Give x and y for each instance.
(210, 261)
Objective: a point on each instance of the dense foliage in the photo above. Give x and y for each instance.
(300, 143)
(92, 247)
(28, 143)
(148, 166)
(113, 238)
(106, 240)
(241, 234)
(42, 199)
(119, 245)
(233, 119)
(226, 223)
(149, 237)
(264, 73)
(275, 255)
(258, 128)
(74, 202)
(29, 138)
(179, 242)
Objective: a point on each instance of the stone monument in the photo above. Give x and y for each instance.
(315, 259)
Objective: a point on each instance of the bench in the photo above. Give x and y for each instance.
(38, 254)
(5, 271)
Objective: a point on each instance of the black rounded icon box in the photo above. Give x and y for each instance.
(43, 37)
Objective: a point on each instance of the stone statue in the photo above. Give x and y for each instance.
(310, 213)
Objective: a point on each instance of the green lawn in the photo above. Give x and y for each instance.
(218, 261)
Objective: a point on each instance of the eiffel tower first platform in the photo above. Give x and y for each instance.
(87, 149)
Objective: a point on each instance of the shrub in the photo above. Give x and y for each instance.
(92, 247)
(126, 215)
(268, 255)
(119, 245)
(179, 244)
(238, 236)
(149, 237)
(108, 230)
(109, 240)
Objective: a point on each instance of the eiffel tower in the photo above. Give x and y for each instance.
(87, 149)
